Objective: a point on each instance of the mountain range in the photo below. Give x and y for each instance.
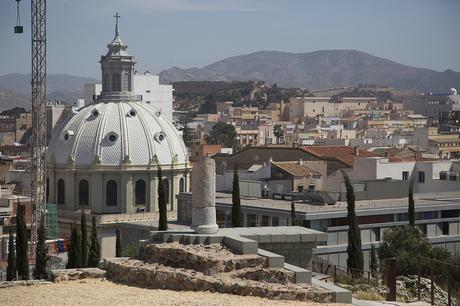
(313, 71)
(318, 70)
(15, 89)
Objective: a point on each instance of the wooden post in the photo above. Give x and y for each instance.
(432, 282)
(391, 279)
(335, 274)
(419, 293)
(449, 287)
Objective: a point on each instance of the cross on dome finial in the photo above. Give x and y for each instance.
(117, 16)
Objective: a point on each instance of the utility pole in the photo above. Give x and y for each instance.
(38, 139)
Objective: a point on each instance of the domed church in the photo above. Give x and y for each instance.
(105, 159)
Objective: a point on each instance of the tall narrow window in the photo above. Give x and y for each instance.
(60, 192)
(139, 191)
(182, 185)
(116, 82)
(111, 193)
(83, 192)
(421, 177)
(405, 175)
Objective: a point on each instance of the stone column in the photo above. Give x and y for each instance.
(204, 197)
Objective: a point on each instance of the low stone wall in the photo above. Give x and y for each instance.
(156, 276)
(75, 274)
(34, 282)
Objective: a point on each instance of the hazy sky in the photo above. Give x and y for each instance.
(188, 33)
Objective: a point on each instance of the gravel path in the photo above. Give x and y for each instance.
(97, 292)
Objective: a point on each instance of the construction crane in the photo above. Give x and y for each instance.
(38, 135)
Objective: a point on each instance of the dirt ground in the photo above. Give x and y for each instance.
(97, 292)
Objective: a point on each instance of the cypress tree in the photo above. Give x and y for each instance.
(411, 204)
(163, 222)
(236, 201)
(41, 253)
(77, 248)
(118, 244)
(373, 262)
(11, 269)
(71, 253)
(355, 254)
(94, 250)
(293, 218)
(84, 241)
(22, 260)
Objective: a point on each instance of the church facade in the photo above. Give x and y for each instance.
(106, 158)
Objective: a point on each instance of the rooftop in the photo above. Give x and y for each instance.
(343, 154)
(423, 201)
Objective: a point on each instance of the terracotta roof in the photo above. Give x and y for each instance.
(344, 154)
(296, 169)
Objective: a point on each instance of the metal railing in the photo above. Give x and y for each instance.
(358, 276)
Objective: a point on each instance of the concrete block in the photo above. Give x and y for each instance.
(213, 239)
(321, 237)
(274, 260)
(340, 295)
(293, 238)
(241, 245)
(301, 275)
(277, 238)
(265, 238)
(307, 237)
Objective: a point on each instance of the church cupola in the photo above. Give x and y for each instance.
(117, 70)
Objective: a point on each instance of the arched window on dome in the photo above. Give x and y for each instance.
(166, 189)
(181, 185)
(139, 191)
(83, 192)
(111, 191)
(60, 192)
(116, 82)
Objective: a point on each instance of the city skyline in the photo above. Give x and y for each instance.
(188, 34)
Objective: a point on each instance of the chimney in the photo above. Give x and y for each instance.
(300, 161)
(356, 151)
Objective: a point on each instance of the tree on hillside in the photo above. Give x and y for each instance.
(355, 254)
(223, 134)
(411, 204)
(118, 243)
(373, 262)
(84, 240)
(22, 260)
(95, 249)
(278, 132)
(236, 201)
(163, 222)
(41, 253)
(405, 243)
(11, 269)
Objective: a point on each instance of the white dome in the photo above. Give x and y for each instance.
(453, 91)
(115, 133)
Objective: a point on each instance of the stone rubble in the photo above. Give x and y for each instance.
(211, 268)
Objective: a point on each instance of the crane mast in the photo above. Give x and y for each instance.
(38, 138)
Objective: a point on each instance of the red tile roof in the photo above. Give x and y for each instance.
(296, 169)
(344, 154)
